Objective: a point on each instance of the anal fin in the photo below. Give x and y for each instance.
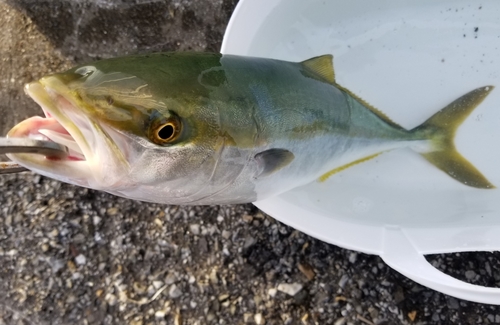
(327, 175)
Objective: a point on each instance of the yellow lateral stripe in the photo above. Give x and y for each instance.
(327, 175)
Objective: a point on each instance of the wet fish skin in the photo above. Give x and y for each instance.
(243, 128)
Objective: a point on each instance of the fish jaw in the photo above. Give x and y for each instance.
(65, 123)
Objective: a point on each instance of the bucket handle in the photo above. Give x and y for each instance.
(400, 254)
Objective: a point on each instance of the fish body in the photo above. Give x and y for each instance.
(201, 128)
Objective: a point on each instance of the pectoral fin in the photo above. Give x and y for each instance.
(272, 160)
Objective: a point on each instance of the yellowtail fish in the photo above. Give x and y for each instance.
(201, 128)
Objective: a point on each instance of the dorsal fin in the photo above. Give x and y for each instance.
(376, 111)
(322, 66)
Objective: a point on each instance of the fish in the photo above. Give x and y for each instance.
(207, 128)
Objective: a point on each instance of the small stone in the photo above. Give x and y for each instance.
(96, 220)
(470, 275)
(307, 270)
(343, 281)
(98, 293)
(353, 257)
(56, 264)
(158, 222)
(272, 292)
(247, 218)
(412, 315)
(340, 321)
(171, 278)
(79, 238)
(290, 288)
(178, 318)
(223, 297)
(160, 314)
(157, 284)
(194, 229)
(45, 248)
(80, 260)
(110, 299)
(54, 233)
(452, 303)
(137, 321)
(214, 279)
(247, 317)
(259, 319)
(249, 242)
(71, 299)
(174, 292)
(112, 211)
(226, 234)
(71, 266)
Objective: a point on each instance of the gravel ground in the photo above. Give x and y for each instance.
(75, 256)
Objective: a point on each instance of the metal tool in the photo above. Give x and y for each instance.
(25, 145)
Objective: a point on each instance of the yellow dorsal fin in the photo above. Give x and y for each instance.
(327, 175)
(322, 66)
(376, 111)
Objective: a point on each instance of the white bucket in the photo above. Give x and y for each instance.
(409, 59)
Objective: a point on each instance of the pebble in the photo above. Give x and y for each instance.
(172, 278)
(96, 220)
(157, 284)
(80, 259)
(343, 281)
(174, 291)
(470, 275)
(290, 289)
(307, 270)
(160, 314)
(353, 256)
(194, 229)
(259, 319)
(452, 303)
(340, 321)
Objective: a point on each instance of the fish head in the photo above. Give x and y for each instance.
(129, 126)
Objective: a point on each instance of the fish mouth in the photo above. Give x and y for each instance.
(63, 124)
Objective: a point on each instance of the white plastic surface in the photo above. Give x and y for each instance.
(409, 59)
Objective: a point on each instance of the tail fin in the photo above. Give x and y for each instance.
(441, 128)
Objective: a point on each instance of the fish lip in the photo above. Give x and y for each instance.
(48, 93)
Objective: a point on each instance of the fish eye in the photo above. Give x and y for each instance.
(167, 131)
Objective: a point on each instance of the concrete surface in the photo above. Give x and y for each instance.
(74, 256)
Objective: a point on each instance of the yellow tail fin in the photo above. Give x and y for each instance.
(442, 127)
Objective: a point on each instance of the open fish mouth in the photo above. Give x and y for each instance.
(64, 123)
